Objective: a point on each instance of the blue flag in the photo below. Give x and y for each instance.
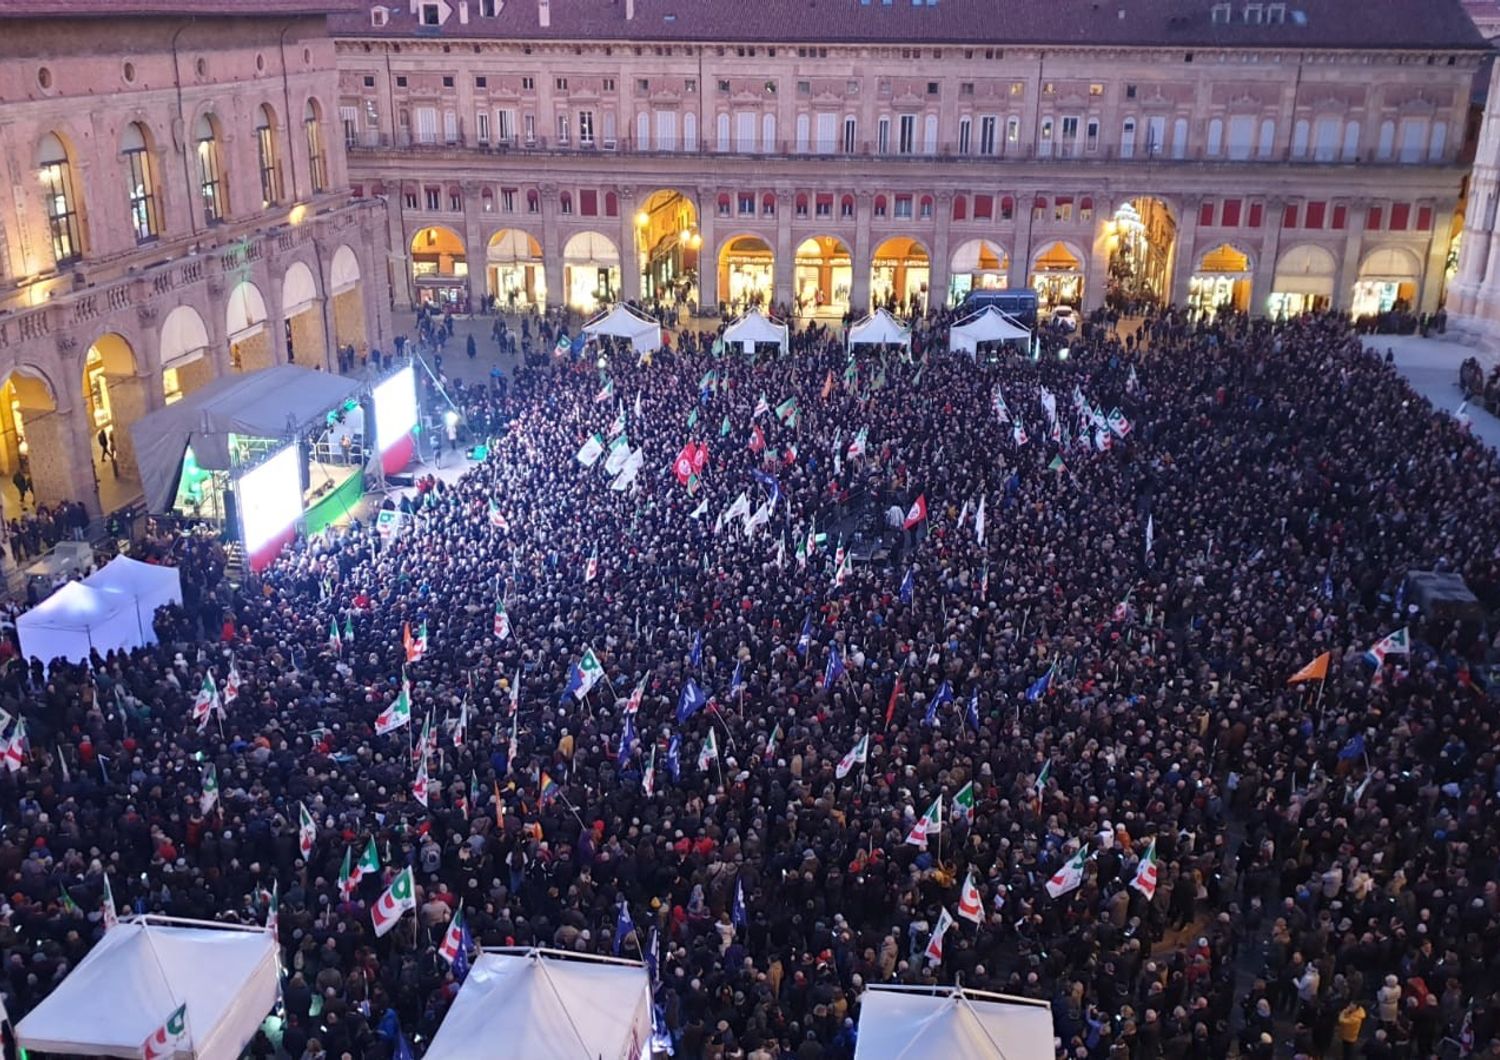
(403, 1049)
(690, 702)
(835, 668)
(389, 1026)
(627, 738)
(943, 695)
(972, 714)
(653, 957)
(804, 641)
(696, 655)
(908, 585)
(623, 927)
(674, 758)
(1355, 748)
(1328, 586)
(461, 961)
(737, 682)
(1039, 687)
(737, 914)
(769, 482)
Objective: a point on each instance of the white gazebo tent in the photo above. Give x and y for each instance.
(141, 972)
(987, 325)
(910, 1021)
(77, 619)
(621, 322)
(879, 328)
(147, 585)
(547, 1005)
(756, 327)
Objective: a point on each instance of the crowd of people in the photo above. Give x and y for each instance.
(1103, 654)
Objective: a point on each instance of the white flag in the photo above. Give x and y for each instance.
(979, 520)
(1150, 533)
(1070, 876)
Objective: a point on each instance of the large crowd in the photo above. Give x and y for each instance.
(1326, 851)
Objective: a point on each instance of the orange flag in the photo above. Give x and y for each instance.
(828, 385)
(1317, 670)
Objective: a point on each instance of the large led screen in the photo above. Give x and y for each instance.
(395, 409)
(270, 499)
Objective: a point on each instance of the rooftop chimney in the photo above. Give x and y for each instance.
(544, 13)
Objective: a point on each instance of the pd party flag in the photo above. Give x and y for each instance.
(210, 796)
(584, 675)
(1397, 643)
(934, 951)
(1317, 670)
(709, 752)
(164, 1041)
(1070, 876)
(367, 865)
(111, 912)
(970, 905)
(860, 752)
(930, 823)
(963, 802)
(307, 831)
(453, 938)
(397, 714)
(399, 898)
(917, 512)
(502, 621)
(1145, 873)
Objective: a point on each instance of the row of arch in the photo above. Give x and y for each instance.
(41, 432)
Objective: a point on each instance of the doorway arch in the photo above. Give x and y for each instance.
(305, 342)
(346, 294)
(114, 397)
(1388, 278)
(977, 265)
(185, 361)
(26, 398)
(513, 270)
(823, 277)
(1057, 275)
(591, 271)
(439, 267)
(900, 270)
(746, 271)
(1221, 280)
(1142, 244)
(245, 324)
(668, 246)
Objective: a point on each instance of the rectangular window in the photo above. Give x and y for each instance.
(210, 185)
(455, 202)
(1315, 214)
(965, 135)
(825, 206)
(482, 126)
(1256, 212)
(528, 129)
(826, 133)
(987, 134)
(903, 206)
(1091, 135)
(1241, 137)
(586, 128)
(410, 199)
(1424, 219)
(505, 125)
(562, 129)
(426, 125)
(1289, 215)
(850, 143)
(1372, 219)
(588, 201)
(508, 200)
(1400, 216)
(1206, 214)
(528, 84)
(908, 133)
(883, 136)
(430, 15)
(747, 204)
(1231, 213)
(349, 119)
(1340, 218)
(984, 207)
(431, 198)
(1156, 135)
(561, 84)
(1062, 209)
(1012, 133)
(450, 127)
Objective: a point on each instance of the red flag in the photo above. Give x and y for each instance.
(757, 439)
(700, 457)
(917, 512)
(890, 707)
(682, 467)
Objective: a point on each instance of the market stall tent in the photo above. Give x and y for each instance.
(547, 1005)
(756, 327)
(78, 619)
(913, 1021)
(138, 975)
(622, 322)
(880, 328)
(147, 586)
(988, 325)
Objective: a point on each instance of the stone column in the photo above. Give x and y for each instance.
(129, 401)
(1098, 263)
(476, 253)
(1435, 270)
(632, 261)
(939, 262)
(552, 248)
(309, 340)
(859, 289)
(1346, 269)
(785, 265)
(1020, 255)
(60, 455)
(1185, 253)
(1263, 284)
(708, 253)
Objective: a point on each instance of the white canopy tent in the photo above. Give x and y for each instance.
(76, 619)
(148, 586)
(880, 328)
(910, 1021)
(547, 1005)
(141, 972)
(987, 325)
(755, 327)
(622, 322)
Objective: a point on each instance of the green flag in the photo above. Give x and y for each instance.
(693, 418)
(724, 427)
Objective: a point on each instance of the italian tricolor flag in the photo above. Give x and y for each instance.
(399, 898)
(1070, 876)
(1145, 873)
(397, 714)
(929, 824)
(502, 621)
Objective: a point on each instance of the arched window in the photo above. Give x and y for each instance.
(929, 134)
(565, 202)
(801, 204)
(1215, 137)
(768, 205)
(724, 205)
(1267, 142)
(1387, 141)
(212, 192)
(1300, 133)
(1086, 208)
(880, 206)
(487, 200)
(924, 207)
(960, 208)
(1007, 208)
(56, 172)
(533, 202)
(1180, 138)
(317, 164)
(1350, 150)
(269, 156)
(140, 185)
(846, 206)
(1127, 138)
(1439, 141)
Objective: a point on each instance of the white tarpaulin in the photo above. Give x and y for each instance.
(76, 619)
(880, 328)
(147, 585)
(623, 323)
(547, 1005)
(988, 325)
(141, 972)
(755, 327)
(896, 1021)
